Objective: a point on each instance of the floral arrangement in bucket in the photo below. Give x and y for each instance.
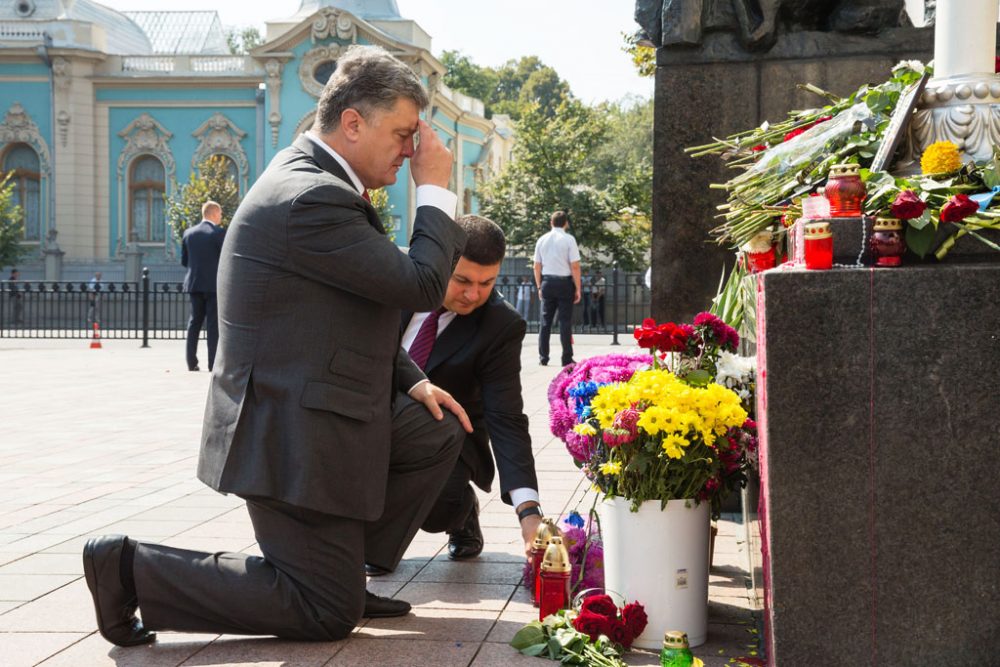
(660, 430)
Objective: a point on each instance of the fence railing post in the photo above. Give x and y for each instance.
(614, 306)
(145, 306)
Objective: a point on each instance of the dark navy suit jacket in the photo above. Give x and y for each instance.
(200, 250)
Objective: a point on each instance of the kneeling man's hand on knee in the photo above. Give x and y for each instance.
(434, 398)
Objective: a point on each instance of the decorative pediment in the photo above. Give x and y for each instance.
(18, 128)
(220, 136)
(145, 135)
(328, 23)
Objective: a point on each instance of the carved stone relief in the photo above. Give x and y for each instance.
(18, 128)
(220, 136)
(145, 135)
(273, 68)
(329, 23)
(312, 59)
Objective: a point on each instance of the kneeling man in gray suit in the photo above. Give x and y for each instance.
(335, 438)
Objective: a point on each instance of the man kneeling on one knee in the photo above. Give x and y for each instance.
(471, 348)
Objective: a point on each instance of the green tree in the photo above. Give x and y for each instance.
(212, 180)
(380, 201)
(623, 163)
(643, 57)
(242, 41)
(467, 77)
(544, 88)
(11, 225)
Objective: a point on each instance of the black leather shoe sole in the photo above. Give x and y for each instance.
(376, 571)
(380, 607)
(111, 601)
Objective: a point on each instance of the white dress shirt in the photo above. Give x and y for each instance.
(427, 195)
(517, 496)
(556, 251)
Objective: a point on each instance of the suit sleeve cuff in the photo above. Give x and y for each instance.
(438, 197)
(523, 495)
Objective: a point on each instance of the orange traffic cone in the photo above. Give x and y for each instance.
(95, 342)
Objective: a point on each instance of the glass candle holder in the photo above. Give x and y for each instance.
(845, 191)
(761, 261)
(555, 573)
(887, 242)
(547, 529)
(818, 244)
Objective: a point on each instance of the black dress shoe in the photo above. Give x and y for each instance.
(380, 607)
(195, 368)
(543, 362)
(467, 541)
(376, 571)
(114, 604)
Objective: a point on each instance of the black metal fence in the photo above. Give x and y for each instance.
(159, 310)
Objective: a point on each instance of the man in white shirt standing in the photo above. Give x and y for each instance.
(557, 275)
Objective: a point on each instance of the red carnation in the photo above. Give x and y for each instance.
(602, 605)
(635, 619)
(648, 334)
(593, 625)
(958, 208)
(908, 206)
(758, 148)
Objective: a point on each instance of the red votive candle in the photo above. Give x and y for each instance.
(819, 246)
(556, 570)
(845, 191)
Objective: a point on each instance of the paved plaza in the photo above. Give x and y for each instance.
(106, 441)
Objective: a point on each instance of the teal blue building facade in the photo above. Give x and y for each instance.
(102, 113)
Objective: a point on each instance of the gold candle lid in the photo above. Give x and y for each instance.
(675, 639)
(818, 230)
(888, 225)
(848, 169)
(556, 557)
(547, 529)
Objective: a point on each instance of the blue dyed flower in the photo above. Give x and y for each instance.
(574, 519)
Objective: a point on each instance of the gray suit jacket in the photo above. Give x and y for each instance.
(310, 293)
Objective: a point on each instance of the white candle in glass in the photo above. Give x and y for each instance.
(965, 37)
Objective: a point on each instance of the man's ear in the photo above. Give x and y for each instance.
(350, 122)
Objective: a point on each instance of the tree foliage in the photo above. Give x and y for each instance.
(212, 180)
(11, 224)
(643, 57)
(242, 41)
(507, 89)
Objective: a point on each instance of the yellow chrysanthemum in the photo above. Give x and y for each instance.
(673, 445)
(611, 468)
(651, 421)
(941, 157)
(585, 429)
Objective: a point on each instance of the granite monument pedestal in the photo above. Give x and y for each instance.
(880, 427)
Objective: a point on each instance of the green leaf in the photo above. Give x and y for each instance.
(555, 648)
(920, 240)
(529, 635)
(922, 221)
(534, 650)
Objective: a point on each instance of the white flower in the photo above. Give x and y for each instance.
(732, 370)
(912, 65)
(759, 243)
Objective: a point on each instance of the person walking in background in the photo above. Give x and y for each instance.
(200, 250)
(586, 283)
(524, 297)
(473, 351)
(16, 298)
(599, 290)
(557, 275)
(94, 289)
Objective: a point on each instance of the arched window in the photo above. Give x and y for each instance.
(23, 161)
(145, 188)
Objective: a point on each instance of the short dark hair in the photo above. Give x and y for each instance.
(485, 243)
(559, 219)
(367, 78)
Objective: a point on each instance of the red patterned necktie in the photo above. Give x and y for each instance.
(423, 343)
(364, 195)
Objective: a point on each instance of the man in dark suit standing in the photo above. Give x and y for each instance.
(471, 347)
(200, 250)
(334, 437)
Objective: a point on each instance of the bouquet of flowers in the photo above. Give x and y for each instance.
(600, 616)
(665, 430)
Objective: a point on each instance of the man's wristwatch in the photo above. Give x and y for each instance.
(529, 511)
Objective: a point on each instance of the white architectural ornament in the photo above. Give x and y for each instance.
(62, 72)
(18, 128)
(312, 59)
(961, 104)
(62, 119)
(220, 136)
(273, 67)
(145, 136)
(330, 23)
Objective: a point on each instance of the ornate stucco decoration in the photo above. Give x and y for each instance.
(143, 136)
(305, 123)
(312, 59)
(964, 110)
(62, 119)
(273, 68)
(329, 23)
(18, 128)
(62, 72)
(220, 136)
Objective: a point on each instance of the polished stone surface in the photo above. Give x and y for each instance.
(881, 422)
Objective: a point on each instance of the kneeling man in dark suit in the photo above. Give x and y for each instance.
(335, 439)
(471, 347)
